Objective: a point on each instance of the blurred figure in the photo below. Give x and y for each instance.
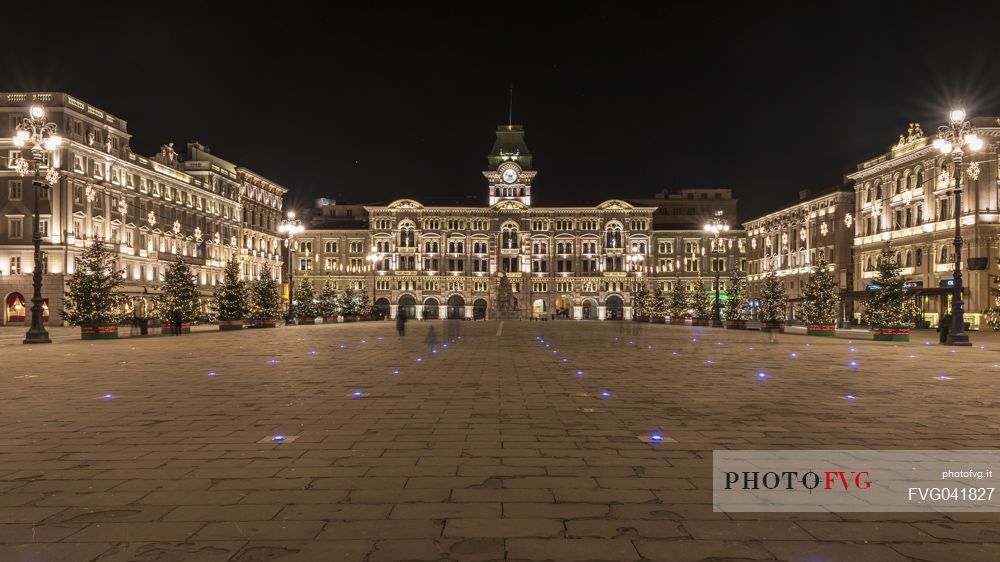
(431, 340)
(401, 323)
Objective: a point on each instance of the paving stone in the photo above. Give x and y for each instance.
(555, 510)
(950, 551)
(445, 510)
(698, 550)
(136, 532)
(384, 529)
(502, 528)
(216, 551)
(855, 552)
(223, 513)
(260, 530)
(299, 551)
(571, 549)
(625, 529)
(63, 552)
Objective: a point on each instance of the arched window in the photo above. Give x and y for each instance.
(944, 254)
(909, 258)
(868, 193)
(613, 235)
(508, 236)
(920, 178)
(920, 257)
(878, 190)
(868, 264)
(406, 237)
(897, 185)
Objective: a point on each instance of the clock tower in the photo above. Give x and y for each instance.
(509, 171)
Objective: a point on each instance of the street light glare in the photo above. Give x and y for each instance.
(37, 111)
(957, 115)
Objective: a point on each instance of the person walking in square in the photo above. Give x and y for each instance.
(401, 322)
(431, 340)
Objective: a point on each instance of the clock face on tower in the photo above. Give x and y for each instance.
(509, 175)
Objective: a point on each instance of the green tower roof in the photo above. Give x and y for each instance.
(510, 143)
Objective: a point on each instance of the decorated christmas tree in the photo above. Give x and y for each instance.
(736, 304)
(773, 299)
(180, 294)
(328, 302)
(821, 297)
(306, 301)
(94, 295)
(657, 302)
(265, 301)
(889, 305)
(640, 300)
(348, 303)
(700, 300)
(231, 296)
(364, 307)
(677, 301)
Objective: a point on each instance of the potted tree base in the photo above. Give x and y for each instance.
(771, 326)
(329, 319)
(658, 319)
(185, 328)
(265, 323)
(678, 320)
(701, 322)
(736, 324)
(300, 320)
(891, 333)
(99, 331)
(226, 325)
(828, 330)
(350, 318)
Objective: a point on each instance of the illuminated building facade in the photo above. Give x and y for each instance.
(152, 211)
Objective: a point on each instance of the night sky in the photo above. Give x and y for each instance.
(362, 106)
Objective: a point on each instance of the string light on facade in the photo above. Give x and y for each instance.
(973, 170)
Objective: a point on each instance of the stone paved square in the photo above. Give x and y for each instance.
(496, 447)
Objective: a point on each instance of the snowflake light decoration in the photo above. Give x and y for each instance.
(784, 239)
(90, 193)
(232, 241)
(216, 238)
(151, 218)
(122, 207)
(802, 234)
(52, 177)
(848, 220)
(943, 178)
(767, 241)
(823, 229)
(22, 167)
(177, 227)
(973, 170)
(753, 243)
(907, 197)
(197, 233)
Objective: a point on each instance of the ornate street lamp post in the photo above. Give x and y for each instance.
(41, 139)
(290, 227)
(373, 258)
(634, 258)
(716, 226)
(953, 139)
